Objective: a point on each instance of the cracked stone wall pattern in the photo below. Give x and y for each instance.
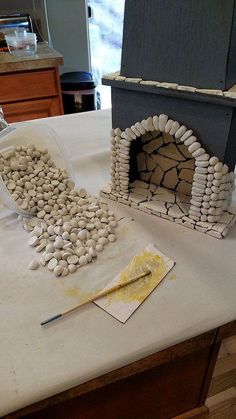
(165, 161)
(206, 207)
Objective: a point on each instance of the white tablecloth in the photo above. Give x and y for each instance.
(196, 296)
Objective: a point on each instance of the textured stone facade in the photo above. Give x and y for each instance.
(165, 162)
(160, 167)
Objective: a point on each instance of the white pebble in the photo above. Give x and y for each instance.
(66, 227)
(212, 211)
(72, 268)
(174, 128)
(58, 230)
(88, 257)
(33, 265)
(92, 252)
(80, 251)
(58, 270)
(50, 248)
(41, 214)
(213, 161)
(180, 132)
(113, 224)
(190, 140)
(211, 219)
(201, 164)
(162, 121)
(218, 167)
(225, 169)
(90, 243)
(193, 147)
(42, 261)
(63, 263)
(41, 246)
(65, 235)
(72, 259)
(48, 256)
(216, 182)
(104, 220)
(82, 235)
(99, 247)
(218, 175)
(64, 255)
(33, 241)
(198, 153)
(99, 213)
(11, 186)
(111, 237)
(103, 233)
(65, 272)
(90, 226)
(57, 255)
(82, 193)
(186, 135)
(50, 230)
(59, 243)
(83, 260)
(103, 240)
(52, 264)
(98, 225)
(82, 224)
(73, 237)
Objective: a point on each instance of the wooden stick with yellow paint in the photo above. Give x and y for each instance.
(99, 295)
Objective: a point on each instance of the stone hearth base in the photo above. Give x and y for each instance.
(172, 206)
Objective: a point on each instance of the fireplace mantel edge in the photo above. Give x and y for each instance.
(172, 92)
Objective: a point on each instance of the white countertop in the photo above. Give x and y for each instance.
(196, 296)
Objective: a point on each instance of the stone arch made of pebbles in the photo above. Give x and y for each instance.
(212, 184)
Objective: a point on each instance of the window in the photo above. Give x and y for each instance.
(105, 35)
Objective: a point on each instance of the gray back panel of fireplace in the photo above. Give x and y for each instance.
(181, 41)
(210, 123)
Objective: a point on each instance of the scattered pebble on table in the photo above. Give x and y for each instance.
(68, 225)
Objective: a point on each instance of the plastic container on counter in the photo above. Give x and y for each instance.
(43, 137)
(21, 43)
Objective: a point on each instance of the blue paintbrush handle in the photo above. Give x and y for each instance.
(51, 319)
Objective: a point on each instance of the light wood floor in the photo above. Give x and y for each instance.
(222, 393)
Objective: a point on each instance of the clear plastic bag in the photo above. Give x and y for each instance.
(43, 137)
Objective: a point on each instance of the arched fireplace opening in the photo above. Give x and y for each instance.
(160, 167)
(162, 170)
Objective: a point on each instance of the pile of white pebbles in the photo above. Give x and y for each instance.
(68, 226)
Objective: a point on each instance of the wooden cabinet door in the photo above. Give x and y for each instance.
(32, 109)
(28, 85)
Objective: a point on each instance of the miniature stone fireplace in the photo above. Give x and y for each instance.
(174, 152)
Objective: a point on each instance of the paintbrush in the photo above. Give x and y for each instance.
(99, 295)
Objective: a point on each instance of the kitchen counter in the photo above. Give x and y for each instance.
(30, 85)
(197, 296)
(45, 57)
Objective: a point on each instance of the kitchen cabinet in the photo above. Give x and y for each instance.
(30, 86)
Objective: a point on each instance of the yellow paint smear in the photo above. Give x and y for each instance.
(77, 292)
(123, 231)
(137, 291)
(72, 292)
(140, 289)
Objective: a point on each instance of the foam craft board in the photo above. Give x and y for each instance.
(170, 38)
(122, 303)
